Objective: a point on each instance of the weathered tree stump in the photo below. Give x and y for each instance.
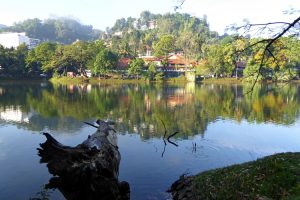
(88, 171)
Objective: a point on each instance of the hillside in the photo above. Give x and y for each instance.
(133, 36)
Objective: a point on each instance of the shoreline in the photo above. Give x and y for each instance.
(271, 177)
(95, 80)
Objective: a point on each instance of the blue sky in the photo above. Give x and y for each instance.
(103, 13)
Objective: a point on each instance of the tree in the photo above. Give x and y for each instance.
(267, 44)
(163, 47)
(82, 53)
(105, 62)
(40, 57)
(12, 61)
(151, 72)
(136, 67)
(215, 60)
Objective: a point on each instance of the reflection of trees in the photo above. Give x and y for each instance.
(140, 108)
(278, 105)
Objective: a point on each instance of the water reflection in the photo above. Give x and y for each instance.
(140, 108)
(217, 125)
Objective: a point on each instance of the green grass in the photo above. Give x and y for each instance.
(274, 177)
(222, 80)
(95, 80)
(116, 81)
(68, 80)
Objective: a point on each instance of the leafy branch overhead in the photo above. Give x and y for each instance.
(286, 28)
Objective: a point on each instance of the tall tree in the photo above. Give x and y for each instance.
(40, 57)
(163, 47)
(105, 62)
(136, 67)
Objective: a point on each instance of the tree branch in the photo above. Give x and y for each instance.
(270, 42)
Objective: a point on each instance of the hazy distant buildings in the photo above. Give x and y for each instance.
(14, 40)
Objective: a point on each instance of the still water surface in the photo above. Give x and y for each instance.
(226, 125)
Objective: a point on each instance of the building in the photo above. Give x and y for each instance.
(175, 62)
(152, 24)
(14, 40)
(124, 63)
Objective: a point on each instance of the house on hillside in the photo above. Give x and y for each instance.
(177, 62)
(149, 59)
(123, 63)
(152, 24)
(177, 65)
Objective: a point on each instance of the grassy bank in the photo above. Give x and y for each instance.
(68, 80)
(222, 80)
(94, 80)
(272, 177)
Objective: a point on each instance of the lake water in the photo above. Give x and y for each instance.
(227, 125)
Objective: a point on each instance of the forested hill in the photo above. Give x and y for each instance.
(188, 33)
(170, 23)
(146, 29)
(62, 30)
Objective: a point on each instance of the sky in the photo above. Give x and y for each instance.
(103, 13)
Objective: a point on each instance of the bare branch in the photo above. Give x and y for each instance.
(248, 26)
(165, 134)
(91, 124)
(270, 42)
(172, 136)
(181, 2)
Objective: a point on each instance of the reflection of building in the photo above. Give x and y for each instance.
(14, 40)
(2, 91)
(181, 96)
(14, 114)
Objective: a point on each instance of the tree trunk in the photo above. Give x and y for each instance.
(88, 171)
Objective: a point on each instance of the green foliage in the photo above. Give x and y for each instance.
(159, 34)
(12, 61)
(105, 62)
(164, 46)
(40, 57)
(251, 72)
(151, 72)
(136, 67)
(159, 76)
(215, 60)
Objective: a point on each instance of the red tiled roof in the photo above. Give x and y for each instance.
(124, 62)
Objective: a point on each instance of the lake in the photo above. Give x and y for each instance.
(218, 125)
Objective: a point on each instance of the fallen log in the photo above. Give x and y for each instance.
(89, 170)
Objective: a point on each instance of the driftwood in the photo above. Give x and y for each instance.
(88, 171)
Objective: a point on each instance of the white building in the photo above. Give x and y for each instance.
(9, 40)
